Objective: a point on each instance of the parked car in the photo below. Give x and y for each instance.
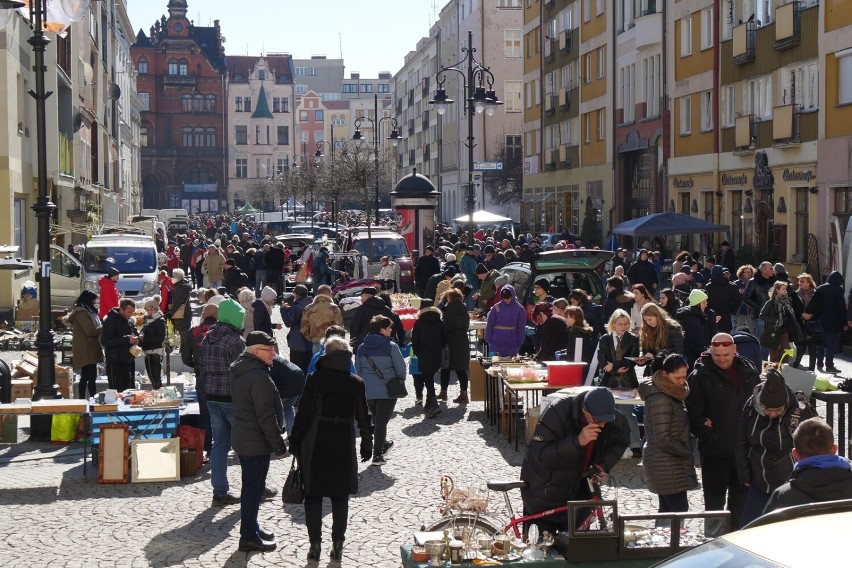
(384, 243)
(292, 240)
(317, 230)
(796, 537)
(564, 269)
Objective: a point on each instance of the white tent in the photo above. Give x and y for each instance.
(483, 217)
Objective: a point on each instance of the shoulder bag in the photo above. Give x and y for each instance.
(395, 385)
(293, 492)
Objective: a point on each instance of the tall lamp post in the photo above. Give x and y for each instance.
(478, 99)
(394, 137)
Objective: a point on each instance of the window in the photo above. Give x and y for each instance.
(845, 77)
(599, 7)
(727, 20)
(651, 87)
(686, 115)
(173, 67)
(145, 99)
(367, 88)
(601, 62)
(686, 37)
(511, 43)
(513, 149)
(528, 94)
(247, 104)
(303, 116)
(238, 104)
(143, 137)
(800, 85)
(587, 138)
(587, 10)
(241, 135)
(513, 92)
(318, 115)
(801, 219)
(508, 3)
(350, 88)
(183, 68)
(197, 103)
(728, 104)
(627, 92)
(282, 164)
(601, 124)
(384, 87)
(186, 136)
(283, 135)
(199, 137)
(242, 167)
(261, 74)
(261, 134)
(758, 99)
(210, 103)
(276, 104)
(142, 66)
(706, 111)
(211, 137)
(587, 74)
(707, 28)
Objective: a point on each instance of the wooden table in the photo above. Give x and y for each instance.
(841, 400)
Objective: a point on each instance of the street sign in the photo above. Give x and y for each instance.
(487, 166)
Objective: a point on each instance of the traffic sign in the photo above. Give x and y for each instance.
(487, 166)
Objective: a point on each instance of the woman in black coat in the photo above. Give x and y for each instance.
(456, 326)
(427, 341)
(323, 441)
(781, 326)
(179, 311)
(553, 332)
(579, 328)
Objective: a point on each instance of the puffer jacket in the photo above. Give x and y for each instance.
(108, 296)
(114, 338)
(180, 298)
(667, 455)
(321, 314)
(764, 444)
(258, 424)
(153, 334)
(617, 300)
(428, 339)
(505, 329)
(713, 396)
(387, 358)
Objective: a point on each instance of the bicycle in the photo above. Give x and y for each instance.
(465, 508)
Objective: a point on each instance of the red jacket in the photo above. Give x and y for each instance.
(173, 255)
(109, 296)
(166, 287)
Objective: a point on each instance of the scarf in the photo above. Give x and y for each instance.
(670, 388)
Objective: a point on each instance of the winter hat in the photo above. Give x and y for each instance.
(717, 271)
(152, 302)
(259, 338)
(113, 272)
(501, 280)
(450, 257)
(450, 271)
(481, 269)
(686, 269)
(300, 290)
(779, 268)
(696, 297)
(600, 403)
(489, 248)
(268, 294)
(209, 310)
(231, 262)
(216, 299)
(774, 393)
(232, 313)
(543, 283)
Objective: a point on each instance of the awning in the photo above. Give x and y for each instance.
(658, 224)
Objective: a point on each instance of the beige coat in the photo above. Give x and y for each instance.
(215, 265)
(321, 314)
(86, 336)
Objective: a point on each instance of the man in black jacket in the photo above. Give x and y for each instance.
(819, 474)
(427, 266)
(756, 294)
(233, 278)
(371, 306)
(117, 337)
(275, 261)
(256, 433)
(723, 297)
(719, 386)
(643, 272)
(573, 435)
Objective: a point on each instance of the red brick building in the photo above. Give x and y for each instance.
(182, 85)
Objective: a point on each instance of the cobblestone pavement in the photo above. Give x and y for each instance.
(51, 516)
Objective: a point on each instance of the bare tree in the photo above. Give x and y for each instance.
(506, 185)
(258, 193)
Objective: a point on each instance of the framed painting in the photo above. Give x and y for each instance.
(113, 453)
(155, 460)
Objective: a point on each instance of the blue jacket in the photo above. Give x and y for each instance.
(468, 268)
(259, 260)
(386, 356)
(292, 317)
(312, 366)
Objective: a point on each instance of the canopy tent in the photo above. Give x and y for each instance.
(483, 217)
(247, 208)
(659, 224)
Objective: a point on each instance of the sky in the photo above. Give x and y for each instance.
(373, 35)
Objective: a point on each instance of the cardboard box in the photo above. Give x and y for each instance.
(21, 388)
(477, 380)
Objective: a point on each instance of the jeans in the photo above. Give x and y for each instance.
(154, 366)
(719, 477)
(382, 410)
(830, 338)
(674, 503)
(254, 470)
(120, 376)
(204, 413)
(755, 503)
(744, 320)
(339, 518)
(221, 418)
(289, 405)
(88, 380)
(259, 280)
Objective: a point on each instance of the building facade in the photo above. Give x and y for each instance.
(182, 85)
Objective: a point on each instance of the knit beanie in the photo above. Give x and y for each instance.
(696, 297)
(232, 313)
(268, 294)
(153, 302)
(774, 393)
(481, 269)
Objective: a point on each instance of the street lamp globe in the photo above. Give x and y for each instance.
(441, 101)
(394, 137)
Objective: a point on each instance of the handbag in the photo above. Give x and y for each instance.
(395, 385)
(445, 357)
(293, 492)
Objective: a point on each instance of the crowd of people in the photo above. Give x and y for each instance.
(674, 344)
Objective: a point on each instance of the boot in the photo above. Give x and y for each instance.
(442, 396)
(432, 408)
(336, 552)
(462, 398)
(314, 551)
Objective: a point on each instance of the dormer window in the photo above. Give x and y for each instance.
(261, 74)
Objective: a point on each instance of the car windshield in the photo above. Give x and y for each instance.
(718, 554)
(126, 259)
(561, 283)
(382, 247)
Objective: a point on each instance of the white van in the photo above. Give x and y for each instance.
(134, 256)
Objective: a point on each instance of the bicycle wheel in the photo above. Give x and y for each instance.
(483, 523)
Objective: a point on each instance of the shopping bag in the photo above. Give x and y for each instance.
(293, 492)
(64, 427)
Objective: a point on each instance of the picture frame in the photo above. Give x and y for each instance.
(113, 454)
(155, 460)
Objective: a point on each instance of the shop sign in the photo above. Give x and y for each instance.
(794, 175)
(734, 179)
(683, 183)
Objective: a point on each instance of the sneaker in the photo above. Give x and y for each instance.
(378, 460)
(225, 500)
(269, 493)
(387, 447)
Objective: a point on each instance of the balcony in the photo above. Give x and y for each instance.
(565, 41)
(785, 124)
(788, 26)
(179, 80)
(549, 4)
(549, 52)
(549, 103)
(746, 136)
(649, 29)
(745, 36)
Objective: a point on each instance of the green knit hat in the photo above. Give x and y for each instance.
(232, 313)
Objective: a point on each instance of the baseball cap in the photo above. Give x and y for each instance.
(600, 403)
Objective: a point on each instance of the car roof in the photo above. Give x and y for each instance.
(570, 259)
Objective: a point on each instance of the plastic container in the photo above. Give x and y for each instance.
(565, 373)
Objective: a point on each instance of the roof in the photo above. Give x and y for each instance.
(337, 105)
(280, 67)
(262, 108)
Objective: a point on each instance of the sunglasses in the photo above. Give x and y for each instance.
(721, 343)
